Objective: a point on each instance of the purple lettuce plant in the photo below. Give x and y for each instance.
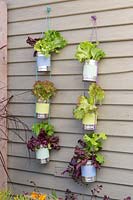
(43, 140)
(80, 158)
(32, 43)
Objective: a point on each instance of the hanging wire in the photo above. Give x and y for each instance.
(47, 20)
(48, 17)
(94, 29)
(50, 75)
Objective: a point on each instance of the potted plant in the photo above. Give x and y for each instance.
(43, 141)
(43, 91)
(89, 53)
(87, 158)
(86, 109)
(51, 42)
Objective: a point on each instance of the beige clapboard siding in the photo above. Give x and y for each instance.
(107, 187)
(79, 8)
(113, 159)
(61, 67)
(20, 4)
(20, 188)
(109, 34)
(65, 111)
(56, 169)
(112, 128)
(70, 140)
(71, 7)
(53, 167)
(113, 49)
(56, 182)
(71, 97)
(106, 18)
(108, 82)
(115, 76)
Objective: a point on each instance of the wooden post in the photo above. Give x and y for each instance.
(3, 90)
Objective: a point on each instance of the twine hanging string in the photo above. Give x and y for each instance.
(48, 10)
(93, 37)
(47, 21)
(94, 29)
(47, 27)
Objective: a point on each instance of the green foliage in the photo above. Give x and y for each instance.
(50, 43)
(94, 145)
(87, 50)
(21, 197)
(96, 94)
(5, 195)
(44, 90)
(53, 196)
(83, 108)
(37, 127)
(87, 104)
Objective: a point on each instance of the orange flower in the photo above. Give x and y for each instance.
(37, 196)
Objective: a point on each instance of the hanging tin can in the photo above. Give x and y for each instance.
(43, 62)
(90, 121)
(88, 172)
(90, 71)
(42, 154)
(42, 109)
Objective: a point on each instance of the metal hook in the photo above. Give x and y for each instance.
(94, 18)
(48, 10)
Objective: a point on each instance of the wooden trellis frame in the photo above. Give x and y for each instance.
(3, 86)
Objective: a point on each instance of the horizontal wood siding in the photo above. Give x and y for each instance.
(72, 18)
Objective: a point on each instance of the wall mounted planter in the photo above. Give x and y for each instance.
(90, 70)
(43, 155)
(90, 121)
(88, 172)
(43, 62)
(42, 109)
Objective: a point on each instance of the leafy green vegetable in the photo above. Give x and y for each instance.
(44, 90)
(37, 127)
(50, 43)
(87, 50)
(96, 94)
(53, 196)
(88, 104)
(97, 54)
(94, 145)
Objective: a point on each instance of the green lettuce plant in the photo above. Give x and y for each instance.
(44, 90)
(87, 50)
(93, 144)
(52, 42)
(88, 104)
(47, 127)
